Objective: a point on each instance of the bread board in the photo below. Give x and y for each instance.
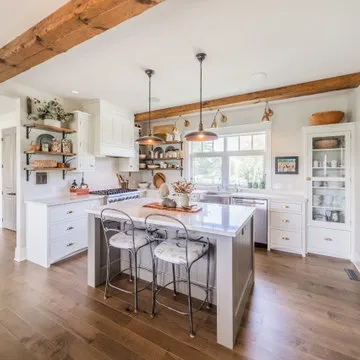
(158, 206)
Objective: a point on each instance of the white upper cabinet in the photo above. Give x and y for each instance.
(83, 141)
(131, 164)
(113, 129)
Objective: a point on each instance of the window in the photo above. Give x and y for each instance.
(232, 160)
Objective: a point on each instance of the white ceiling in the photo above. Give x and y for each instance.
(291, 41)
(17, 16)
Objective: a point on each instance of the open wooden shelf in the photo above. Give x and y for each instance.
(35, 125)
(165, 143)
(48, 153)
(149, 159)
(31, 168)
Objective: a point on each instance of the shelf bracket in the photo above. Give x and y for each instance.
(28, 157)
(28, 173)
(28, 131)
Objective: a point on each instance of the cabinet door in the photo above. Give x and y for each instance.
(329, 180)
(86, 158)
(131, 164)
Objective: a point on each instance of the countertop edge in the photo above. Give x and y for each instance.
(62, 200)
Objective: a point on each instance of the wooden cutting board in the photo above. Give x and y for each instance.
(158, 206)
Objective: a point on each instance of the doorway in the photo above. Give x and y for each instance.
(8, 178)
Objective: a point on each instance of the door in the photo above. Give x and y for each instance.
(329, 183)
(9, 179)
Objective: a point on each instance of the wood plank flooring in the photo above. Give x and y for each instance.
(299, 309)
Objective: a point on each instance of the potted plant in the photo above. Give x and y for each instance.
(51, 113)
(182, 189)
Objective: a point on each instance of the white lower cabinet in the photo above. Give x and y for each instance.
(329, 242)
(56, 232)
(287, 226)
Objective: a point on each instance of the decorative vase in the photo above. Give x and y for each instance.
(52, 122)
(182, 200)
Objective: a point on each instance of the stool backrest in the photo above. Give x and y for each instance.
(114, 224)
(150, 230)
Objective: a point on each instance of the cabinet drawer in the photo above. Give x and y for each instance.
(70, 211)
(65, 246)
(286, 239)
(285, 206)
(76, 227)
(329, 242)
(284, 220)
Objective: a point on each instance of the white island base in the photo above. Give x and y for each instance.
(230, 230)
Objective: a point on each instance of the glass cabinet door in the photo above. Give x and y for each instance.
(329, 157)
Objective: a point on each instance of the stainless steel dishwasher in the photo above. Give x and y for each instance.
(260, 217)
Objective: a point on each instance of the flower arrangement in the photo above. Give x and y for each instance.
(183, 187)
(50, 110)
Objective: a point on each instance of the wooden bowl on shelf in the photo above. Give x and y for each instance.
(326, 144)
(326, 117)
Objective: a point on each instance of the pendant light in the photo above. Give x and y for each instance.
(268, 113)
(149, 139)
(201, 134)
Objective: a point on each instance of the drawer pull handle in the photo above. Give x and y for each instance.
(70, 228)
(69, 212)
(285, 238)
(70, 244)
(285, 206)
(328, 239)
(285, 220)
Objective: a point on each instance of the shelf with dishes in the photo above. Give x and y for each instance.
(48, 145)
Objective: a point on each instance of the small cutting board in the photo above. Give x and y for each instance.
(158, 206)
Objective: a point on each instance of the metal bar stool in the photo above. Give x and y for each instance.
(121, 234)
(180, 250)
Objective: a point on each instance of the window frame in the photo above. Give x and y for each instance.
(225, 155)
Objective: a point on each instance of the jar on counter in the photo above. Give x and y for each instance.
(55, 146)
(66, 146)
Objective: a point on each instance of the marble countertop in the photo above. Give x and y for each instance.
(65, 199)
(214, 219)
(270, 196)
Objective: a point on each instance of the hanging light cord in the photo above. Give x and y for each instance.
(201, 102)
(149, 74)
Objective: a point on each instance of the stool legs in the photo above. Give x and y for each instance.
(154, 286)
(190, 302)
(136, 282)
(107, 274)
(130, 265)
(174, 280)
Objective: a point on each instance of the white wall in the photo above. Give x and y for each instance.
(289, 117)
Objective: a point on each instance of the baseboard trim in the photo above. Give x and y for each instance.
(356, 261)
(20, 254)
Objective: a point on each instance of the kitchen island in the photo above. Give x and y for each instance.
(229, 229)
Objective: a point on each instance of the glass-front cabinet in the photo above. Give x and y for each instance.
(328, 177)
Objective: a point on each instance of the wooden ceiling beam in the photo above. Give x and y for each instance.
(343, 82)
(72, 24)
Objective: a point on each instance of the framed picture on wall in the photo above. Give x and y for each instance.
(286, 165)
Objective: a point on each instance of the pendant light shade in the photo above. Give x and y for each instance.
(149, 139)
(201, 134)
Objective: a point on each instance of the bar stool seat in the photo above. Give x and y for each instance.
(125, 240)
(175, 253)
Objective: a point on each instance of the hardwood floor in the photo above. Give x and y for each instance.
(299, 309)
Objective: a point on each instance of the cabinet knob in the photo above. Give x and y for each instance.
(285, 206)
(70, 228)
(308, 178)
(328, 239)
(285, 220)
(285, 238)
(70, 244)
(69, 212)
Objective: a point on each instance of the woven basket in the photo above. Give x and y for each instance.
(40, 164)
